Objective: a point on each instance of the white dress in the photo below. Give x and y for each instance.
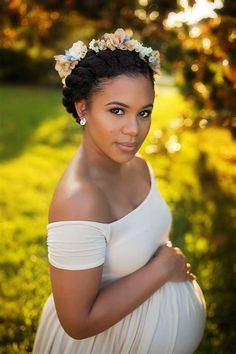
(171, 321)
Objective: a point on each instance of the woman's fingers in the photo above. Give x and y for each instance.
(173, 256)
(189, 275)
(188, 265)
(169, 244)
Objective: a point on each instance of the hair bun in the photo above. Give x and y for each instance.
(87, 77)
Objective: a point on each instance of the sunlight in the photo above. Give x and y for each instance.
(192, 15)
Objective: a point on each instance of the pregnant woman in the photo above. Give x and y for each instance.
(118, 284)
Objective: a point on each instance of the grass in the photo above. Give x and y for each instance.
(195, 171)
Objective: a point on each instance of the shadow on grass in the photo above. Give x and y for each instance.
(221, 257)
(215, 264)
(23, 109)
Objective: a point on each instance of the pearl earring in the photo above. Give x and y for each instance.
(82, 121)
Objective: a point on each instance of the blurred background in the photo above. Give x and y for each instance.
(191, 144)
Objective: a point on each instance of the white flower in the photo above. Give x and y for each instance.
(78, 50)
(121, 35)
(61, 58)
(66, 63)
(97, 45)
(64, 67)
(117, 40)
(94, 45)
(133, 44)
(145, 51)
(152, 59)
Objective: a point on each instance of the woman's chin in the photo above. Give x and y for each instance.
(120, 159)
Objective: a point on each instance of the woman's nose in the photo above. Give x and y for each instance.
(131, 127)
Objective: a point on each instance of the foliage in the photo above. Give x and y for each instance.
(201, 53)
(27, 70)
(205, 63)
(195, 173)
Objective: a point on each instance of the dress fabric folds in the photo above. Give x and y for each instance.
(171, 321)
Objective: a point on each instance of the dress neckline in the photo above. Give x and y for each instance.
(151, 177)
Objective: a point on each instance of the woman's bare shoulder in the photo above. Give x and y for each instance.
(141, 166)
(84, 201)
(140, 160)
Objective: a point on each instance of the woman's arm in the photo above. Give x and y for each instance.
(84, 309)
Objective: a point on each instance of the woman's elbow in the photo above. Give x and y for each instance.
(75, 329)
(77, 335)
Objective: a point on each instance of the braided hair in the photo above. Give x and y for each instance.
(93, 71)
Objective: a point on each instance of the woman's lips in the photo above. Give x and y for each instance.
(127, 146)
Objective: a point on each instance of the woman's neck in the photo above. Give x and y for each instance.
(96, 162)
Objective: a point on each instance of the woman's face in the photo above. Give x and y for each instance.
(119, 117)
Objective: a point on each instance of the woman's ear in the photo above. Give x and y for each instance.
(80, 107)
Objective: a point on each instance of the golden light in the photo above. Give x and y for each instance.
(172, 144)
(192, 15)
(232, 36)
(203, 123)
(181, 35)
(201, 88)
(153, 15)
(143, 2)
(195, 32)
(188, 122)
(225, 62)
(206, 42)
(141, 14)
(177, 123)
(171, 20)
(151, 149)
(184, 3)
(194, 67)
(157, 133)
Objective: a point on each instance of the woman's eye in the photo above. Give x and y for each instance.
(145, 114)
(119, 112)
(116, 110)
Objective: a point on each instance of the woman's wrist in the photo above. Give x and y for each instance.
(158, 272)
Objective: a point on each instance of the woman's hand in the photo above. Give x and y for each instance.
(173, 262)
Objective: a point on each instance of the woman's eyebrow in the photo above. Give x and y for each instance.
(125, 105)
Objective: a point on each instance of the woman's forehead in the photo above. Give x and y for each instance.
(124, 88)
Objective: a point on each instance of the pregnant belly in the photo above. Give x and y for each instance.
(171, 321)
(181, 317)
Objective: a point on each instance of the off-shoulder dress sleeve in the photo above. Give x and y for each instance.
(76, 244)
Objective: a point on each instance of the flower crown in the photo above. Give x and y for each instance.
(117, 40)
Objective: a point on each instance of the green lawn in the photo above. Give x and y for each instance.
(195, 171)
